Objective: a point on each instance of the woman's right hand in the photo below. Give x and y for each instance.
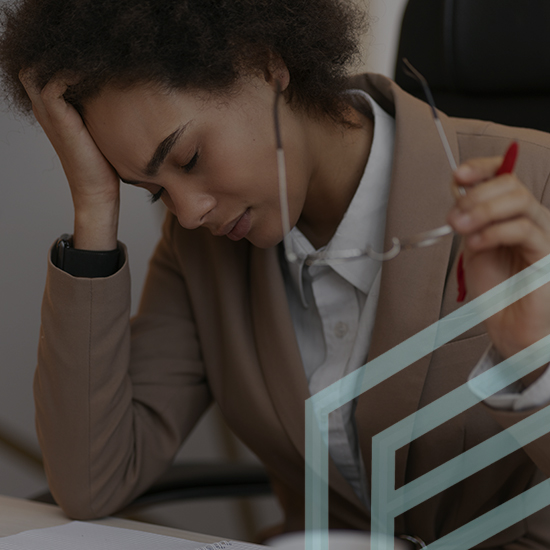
(94, 184)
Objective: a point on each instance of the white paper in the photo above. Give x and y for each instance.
(78, 535)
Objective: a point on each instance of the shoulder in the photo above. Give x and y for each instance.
(474, 138)
(488, 134)
(477, 138)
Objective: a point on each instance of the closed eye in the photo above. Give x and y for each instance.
(192, 163)
(156, 196)
(188, 167)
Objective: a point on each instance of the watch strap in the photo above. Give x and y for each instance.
(91, 264)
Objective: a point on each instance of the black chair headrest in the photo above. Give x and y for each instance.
(478, 46)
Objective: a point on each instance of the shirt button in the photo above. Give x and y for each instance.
(341, 329)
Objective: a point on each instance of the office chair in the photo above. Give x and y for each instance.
(486, 59)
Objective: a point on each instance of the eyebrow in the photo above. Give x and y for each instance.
(162, 151)
(160, 154)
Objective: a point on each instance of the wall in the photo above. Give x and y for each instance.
(380, 42)
(34, 210)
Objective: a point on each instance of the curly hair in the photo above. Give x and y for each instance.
(181, 44)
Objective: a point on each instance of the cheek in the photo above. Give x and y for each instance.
(168, 202)
(242, 157)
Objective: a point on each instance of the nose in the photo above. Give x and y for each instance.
(191, 209)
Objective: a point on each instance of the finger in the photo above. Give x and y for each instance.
(26, 77)
(53, 100)
(520, 232)
(517, 202)
(487, 191)
(476, 170)
(49, 99)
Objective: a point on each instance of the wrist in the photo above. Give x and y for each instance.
(97, 229)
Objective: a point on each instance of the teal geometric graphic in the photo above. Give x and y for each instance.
(386, 502)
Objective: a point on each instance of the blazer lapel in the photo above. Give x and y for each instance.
(413, 283)
(276, 343)
(280, 359)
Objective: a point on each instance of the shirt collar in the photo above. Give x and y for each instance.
(364, 221)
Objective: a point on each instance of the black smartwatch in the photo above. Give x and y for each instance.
(84, 263)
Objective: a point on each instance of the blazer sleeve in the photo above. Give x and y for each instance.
(115, 399)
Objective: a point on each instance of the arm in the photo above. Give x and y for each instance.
(505, 230)
(113, 404)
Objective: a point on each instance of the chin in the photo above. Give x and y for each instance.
(264, 241)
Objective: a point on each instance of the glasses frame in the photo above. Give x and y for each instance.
(420, 240)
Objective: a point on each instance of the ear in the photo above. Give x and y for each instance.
(276, 71)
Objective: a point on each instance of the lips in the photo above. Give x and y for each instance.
(241, 227)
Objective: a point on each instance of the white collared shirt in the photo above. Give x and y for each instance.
(333, 307)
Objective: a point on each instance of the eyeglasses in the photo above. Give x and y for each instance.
(323, 257)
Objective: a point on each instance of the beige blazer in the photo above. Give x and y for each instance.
(115, 399)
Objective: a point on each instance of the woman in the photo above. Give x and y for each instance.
(176, 97)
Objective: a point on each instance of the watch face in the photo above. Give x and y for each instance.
(65, 240)
(63, 243)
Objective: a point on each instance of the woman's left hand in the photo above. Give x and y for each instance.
(505, 229)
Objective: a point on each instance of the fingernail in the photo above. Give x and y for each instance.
(464, 171)
(463, 220)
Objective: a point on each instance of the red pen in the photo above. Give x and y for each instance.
(506, 167)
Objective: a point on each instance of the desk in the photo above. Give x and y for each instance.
(18, 515)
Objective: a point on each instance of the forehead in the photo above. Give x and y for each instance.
(128, 124)
(138, 107)
(142, 116)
